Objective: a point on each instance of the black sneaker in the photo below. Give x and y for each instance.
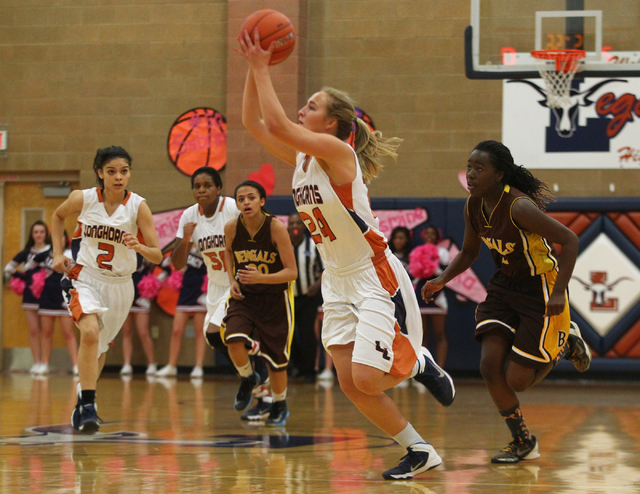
(436, 380)
(278, 414)
(518, 450)
(579, 353)
(243, 396)
(84, 418)
(259, 412)
(419, 458)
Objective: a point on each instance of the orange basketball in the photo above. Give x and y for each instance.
(272, 26)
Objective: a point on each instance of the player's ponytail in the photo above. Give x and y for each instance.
(369, 145)
(516, 175)
(105, 155)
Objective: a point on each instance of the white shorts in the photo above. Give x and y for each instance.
(373, 305)
(217, 298)
(109, 298)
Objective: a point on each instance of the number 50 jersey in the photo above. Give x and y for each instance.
(98, 242)
(339, 217)
(208, 236)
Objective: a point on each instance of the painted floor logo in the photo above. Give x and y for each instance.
(64, 434)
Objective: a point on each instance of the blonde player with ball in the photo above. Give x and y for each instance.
(98, 287)
(372, 325)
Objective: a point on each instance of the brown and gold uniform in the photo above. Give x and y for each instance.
(266, 312)
(518, 292)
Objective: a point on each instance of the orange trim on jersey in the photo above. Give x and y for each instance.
(345, 194)
(222, 203)
(404, 356)
(377, 242)
(99, 191)
(75, 271)
(385, 273)
(78, 232)
(200, 210)
(127, 196)
(74, 306)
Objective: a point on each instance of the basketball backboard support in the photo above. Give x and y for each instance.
(502, 34)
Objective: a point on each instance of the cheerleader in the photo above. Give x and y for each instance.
(39, 242)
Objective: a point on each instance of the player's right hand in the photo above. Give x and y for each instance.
(188, 230)
(430, 288)
(235, 291)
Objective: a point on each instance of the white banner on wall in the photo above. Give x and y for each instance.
(601, 128)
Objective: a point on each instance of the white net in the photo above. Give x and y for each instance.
(557, 69)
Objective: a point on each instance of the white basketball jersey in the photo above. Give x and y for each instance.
(101, 236)
(208, 236)
(339, 217)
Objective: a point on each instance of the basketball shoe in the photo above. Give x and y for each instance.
(278, 414)
(436, 380)
(84, 418)
(518, 450)
(259, 412)
(579, 352)
(419, 458)
(244, 396)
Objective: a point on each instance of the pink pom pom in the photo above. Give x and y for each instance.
(424, 261)
(37, 283)
(17, 285)
(149, 286)
(174, 282)
(205, 285)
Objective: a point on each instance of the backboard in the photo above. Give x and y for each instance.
(502, 34)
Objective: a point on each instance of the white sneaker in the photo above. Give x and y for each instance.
(34, 368)
(152, 369)
(126, 370)
(42, 369)
(75, 370)
(325, 375)
(197, 372)
(167, 371)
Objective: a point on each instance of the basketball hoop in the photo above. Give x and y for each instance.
(557, 77)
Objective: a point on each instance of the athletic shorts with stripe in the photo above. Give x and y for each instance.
(89, 292)
(217, 299)
(373, 305)
(517, 307)
(265, 317)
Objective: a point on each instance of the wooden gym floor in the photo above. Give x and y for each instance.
(179, 436)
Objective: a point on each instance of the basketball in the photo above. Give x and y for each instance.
(272, 26)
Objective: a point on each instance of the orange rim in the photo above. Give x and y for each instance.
(566, 60)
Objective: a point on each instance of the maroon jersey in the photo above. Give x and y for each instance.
(258, 251)
(517, 253)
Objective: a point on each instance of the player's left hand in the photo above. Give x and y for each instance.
(555, 305)
(131, 241)
(249, 276)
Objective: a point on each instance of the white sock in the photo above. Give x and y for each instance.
(408, 436)
(419, 366)
(245, 370)
(279, 396)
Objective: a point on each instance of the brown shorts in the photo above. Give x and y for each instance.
(517, 307)
(265, 317)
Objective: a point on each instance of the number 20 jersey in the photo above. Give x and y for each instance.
(339, 217)
(98, 242)
(208, 236)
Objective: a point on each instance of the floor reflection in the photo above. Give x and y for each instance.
(174, 436)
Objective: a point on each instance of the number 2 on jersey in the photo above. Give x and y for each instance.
(324, 227)
(103, 260)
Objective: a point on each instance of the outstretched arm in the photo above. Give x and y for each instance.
(463, 261)
(331, 151)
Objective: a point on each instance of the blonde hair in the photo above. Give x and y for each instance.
(369, 146)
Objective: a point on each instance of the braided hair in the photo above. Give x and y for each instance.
(516, 175)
